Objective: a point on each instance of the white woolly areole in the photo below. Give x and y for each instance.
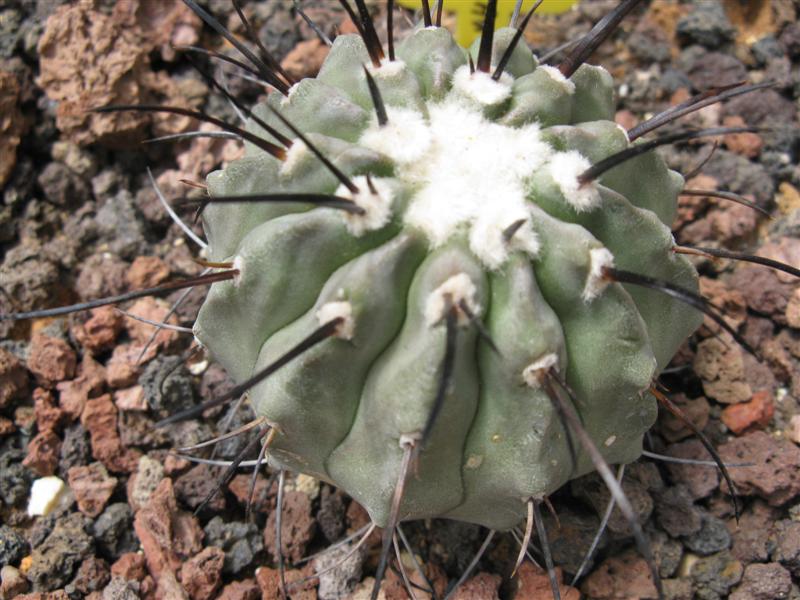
(286, 100)
(487, 238)
(466, 172)
(335, 310)
(405, 138)
(595, 280)
(45, 494)
(564, 168)
(558, 77)
(238, 265)
(451, 293)
(389, 69)
(377, 207)
(296, 155)
(534, 373)
(480, 86)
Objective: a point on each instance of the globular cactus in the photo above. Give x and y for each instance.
(446, 277)
(471, 257)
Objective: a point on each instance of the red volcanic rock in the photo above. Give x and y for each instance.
(92, 486)
(775, 474)
(168, 536)
(51, 360)
(99, 417)
(757, 412)
(201, 575)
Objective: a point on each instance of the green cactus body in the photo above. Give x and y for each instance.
(461, 159)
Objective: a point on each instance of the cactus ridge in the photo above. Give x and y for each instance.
(471, 219)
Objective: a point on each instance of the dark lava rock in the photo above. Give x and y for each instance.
(121, 226)
(780, 166)
(454, 543)
(712, 537)
(672, 80)
(62, 186)
(765, 49)
(781, 139)
(279, 32)
(676, 513)
(706, 24)
(593, 489)
(737, 174)
(234, 419)
(54, 561)
(75, 449)
(240, 541)
(13, 546)
(167, 385)
(710, 69)
(41, 529)
(113, 530)
(666, 551)
(331, 513)
(571, 536)
(29, 278)
(648, 42)
(713, 576)
(15, 480)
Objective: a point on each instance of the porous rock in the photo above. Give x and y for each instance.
(775, 475)
(53, 562)
(92, 486)
(168, 535)
(763, 582)
(112, 530)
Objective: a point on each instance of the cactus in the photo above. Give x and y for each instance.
(469, 203)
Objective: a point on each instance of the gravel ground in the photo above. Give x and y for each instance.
(79, 395)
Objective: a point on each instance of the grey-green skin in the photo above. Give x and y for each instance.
(343, 406)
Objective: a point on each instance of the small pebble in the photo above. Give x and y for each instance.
(45, 494)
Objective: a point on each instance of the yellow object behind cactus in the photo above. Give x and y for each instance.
(469, 13)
